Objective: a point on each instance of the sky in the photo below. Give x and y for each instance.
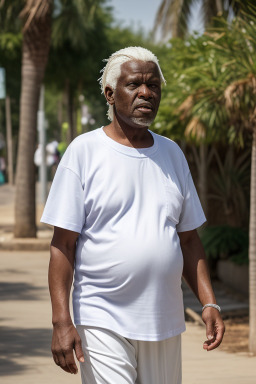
(138, 13)
(141, 13)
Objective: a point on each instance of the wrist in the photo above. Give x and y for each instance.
(62, 320)
(210, 305)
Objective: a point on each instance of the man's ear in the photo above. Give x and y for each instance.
(109, 94)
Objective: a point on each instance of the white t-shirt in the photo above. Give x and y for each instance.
(128, 205)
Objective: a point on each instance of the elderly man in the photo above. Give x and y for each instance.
(125, 213)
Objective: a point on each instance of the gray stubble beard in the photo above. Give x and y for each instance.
(143, 121)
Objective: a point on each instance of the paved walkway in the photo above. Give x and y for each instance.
(25, 333)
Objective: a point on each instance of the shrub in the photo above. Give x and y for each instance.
(226, 242)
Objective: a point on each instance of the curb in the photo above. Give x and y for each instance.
(25, 245)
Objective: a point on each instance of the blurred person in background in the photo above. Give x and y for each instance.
(52, 157)
(2, 170)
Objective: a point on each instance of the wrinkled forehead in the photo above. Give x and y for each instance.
(138, 67)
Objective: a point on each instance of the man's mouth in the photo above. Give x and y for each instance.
(145, 108)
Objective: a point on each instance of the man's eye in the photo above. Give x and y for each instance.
(133, 84)
(154, 86)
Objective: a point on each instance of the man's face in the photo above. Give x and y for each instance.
(138, 93)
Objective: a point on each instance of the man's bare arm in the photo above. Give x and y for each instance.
(196, 274)
(65, 337)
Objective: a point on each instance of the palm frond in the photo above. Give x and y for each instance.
(195, 129)
(35, 10)
(186, 107)
(73, 22)
(172, 17)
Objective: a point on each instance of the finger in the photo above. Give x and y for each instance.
(59, 356)
(207, 344)
(55, 359)
(210, 331)
(72, 367)
(62, 361)
(213, 345)
(217, 341)
(66, 369)
(70, 361)
(78, 350)
(57, 353)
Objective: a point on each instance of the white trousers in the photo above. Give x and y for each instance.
(113, 359)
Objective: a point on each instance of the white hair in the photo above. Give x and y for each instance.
(112, 71)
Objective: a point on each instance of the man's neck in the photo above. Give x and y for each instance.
(130, 136)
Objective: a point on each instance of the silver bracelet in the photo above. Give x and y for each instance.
(211, 305)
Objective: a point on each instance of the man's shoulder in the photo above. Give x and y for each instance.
(80, 150)
(85, 138)
(168, 144)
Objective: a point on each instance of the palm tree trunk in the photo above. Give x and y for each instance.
(203, 176)
(201, 162)
(252, 250)
(219, 7)
(36, 41)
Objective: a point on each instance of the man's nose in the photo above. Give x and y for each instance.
(144, 92)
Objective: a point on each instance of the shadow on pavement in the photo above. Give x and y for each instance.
(19, 344)
(19, 291)
(9, 367)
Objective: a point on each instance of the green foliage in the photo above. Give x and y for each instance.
(73, 20)
(10, 59)
(210, 93)
(79, 42)
(224, 241)
(9, 16)
(229, 183)
(62, 148)
(10, 44)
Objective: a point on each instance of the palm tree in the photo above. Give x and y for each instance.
(36, 18)
(173, 16)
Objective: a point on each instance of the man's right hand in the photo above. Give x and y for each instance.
(65, 338)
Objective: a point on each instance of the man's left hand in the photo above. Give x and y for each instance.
(215, 328)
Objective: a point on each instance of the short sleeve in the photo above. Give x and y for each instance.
(65, 204)
(192, 215)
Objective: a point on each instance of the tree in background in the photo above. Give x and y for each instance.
(213, 94)
(36, 18)
(240, 101)
(79, 42)
(173, 16)
(10, 59)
